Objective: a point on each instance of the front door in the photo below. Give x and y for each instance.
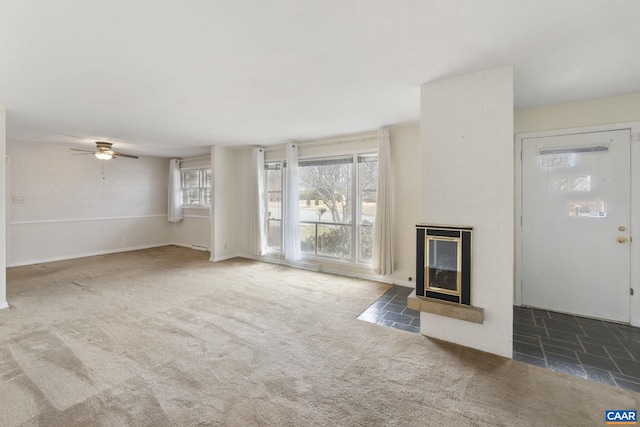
(576, 224)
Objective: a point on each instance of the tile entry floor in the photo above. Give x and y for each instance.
(600, 351)
(391, 310)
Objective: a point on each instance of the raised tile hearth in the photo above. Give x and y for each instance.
(445, 308)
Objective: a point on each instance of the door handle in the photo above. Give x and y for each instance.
(622, 239)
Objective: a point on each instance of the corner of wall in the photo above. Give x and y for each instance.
(3, 209)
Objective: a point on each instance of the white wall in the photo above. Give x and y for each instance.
(66, 206)
(405, 168)
(3, 210)
(225, 202)
(467, 179)
(194, 229)
(615, 109)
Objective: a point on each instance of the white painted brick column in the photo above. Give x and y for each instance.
(467, 160)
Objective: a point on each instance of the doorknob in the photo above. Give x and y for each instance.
(622, 239)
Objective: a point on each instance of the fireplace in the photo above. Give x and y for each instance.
(443, 263)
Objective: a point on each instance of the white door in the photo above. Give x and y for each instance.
(576, 224)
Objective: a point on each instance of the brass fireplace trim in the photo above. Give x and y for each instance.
(428, 286)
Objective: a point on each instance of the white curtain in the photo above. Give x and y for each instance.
(291, 214)
(174, 210)
(382, 261)
(258, 239)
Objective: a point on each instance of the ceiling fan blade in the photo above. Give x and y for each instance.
(83, 154)
(86, 151)
(124, 155)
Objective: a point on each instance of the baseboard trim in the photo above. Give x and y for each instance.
(405, 283)
(317, 267)
(224, 257)
(270, 260)
(107, 252)
(372, 277)
(192, 246)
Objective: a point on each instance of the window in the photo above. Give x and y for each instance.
(196, 187)
(273, 199)
(326, 206)
(368, 187)
(337, 206)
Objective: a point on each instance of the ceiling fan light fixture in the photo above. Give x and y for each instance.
(104, 155)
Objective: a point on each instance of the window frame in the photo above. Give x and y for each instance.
(355, 206)
(201, 188)
(281, 167)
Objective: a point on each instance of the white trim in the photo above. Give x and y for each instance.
(191, 168)
(8, 210)
(197, 207)
(365, 136)
(88, 254)
(372, 277)
(405, 283)
(340, 261)
(196, 216)
(51, 221)
(634, 127)
(189, 159)
(192, 246)
(3, 305)
(224, 257)
(321, 269)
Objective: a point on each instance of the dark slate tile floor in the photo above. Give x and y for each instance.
(391, 310)
(605, 352)
(600, 351)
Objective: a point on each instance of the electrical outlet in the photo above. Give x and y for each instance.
(18, 200)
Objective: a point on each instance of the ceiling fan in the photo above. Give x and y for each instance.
(104, 151)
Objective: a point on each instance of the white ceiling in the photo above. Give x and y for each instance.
(173, 77)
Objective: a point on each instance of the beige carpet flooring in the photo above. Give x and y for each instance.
(163, 337)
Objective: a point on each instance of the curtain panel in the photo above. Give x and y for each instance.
(291, 214)
(174, 209)
(257, 238)
(382, 260)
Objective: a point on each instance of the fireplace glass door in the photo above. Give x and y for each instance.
(443, 264)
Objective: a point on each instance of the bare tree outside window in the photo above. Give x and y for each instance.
(328, 187)
(329, 210)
